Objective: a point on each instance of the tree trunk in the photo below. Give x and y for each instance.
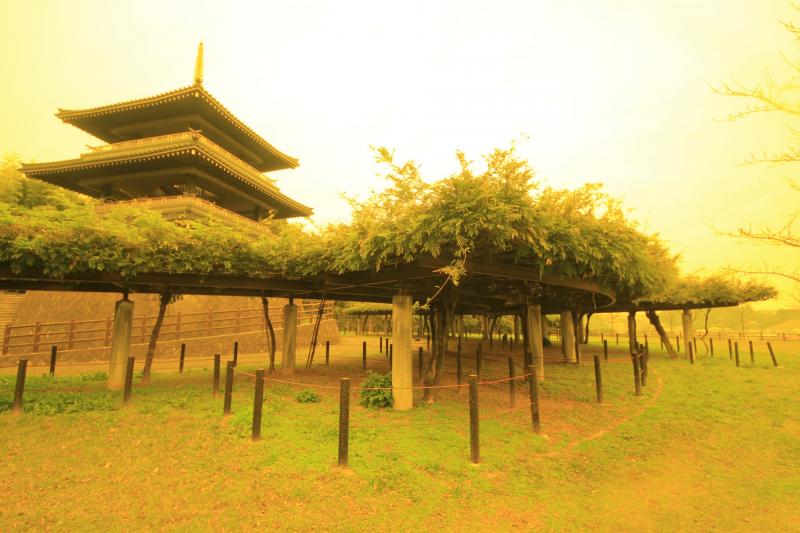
(271, 344)
(656, 322)
(576, 324)
(442, 311)
(586, 331)
(633, 342)
(491, 331)
(163, 301)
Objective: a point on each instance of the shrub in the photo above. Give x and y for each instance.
(377, 398)
(308, 396)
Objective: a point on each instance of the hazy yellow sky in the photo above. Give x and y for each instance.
(605, 91)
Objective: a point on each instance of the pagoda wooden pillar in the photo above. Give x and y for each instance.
(402, 353)
(120, 343)
(289, 338)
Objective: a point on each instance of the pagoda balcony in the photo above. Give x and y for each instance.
(186, 137)
(186, 206)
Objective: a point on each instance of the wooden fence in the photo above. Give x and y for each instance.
(32, 338)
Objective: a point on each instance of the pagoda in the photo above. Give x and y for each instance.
(181, 152)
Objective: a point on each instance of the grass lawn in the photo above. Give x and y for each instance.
(708, 446)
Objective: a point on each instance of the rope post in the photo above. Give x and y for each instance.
(598, 379)
(126, 394)
(691, 353)
(512, 384)
(736, 352)
(533, 386)
(235, 353)
(226, 409)
(344, 420)
(730, 350)
(772, 355)
(53, 355)
(752, 355)
(327, 353)
(183, 357)
(258, 403)
(636, 375)
(19, 388)
(364, 355)
(605, 349)
(711, 346)
(420, 362)
(474, 430)
(217, 358)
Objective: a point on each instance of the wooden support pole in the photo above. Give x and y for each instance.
(458, 365)
(512, 383)
(217, 358)
(183, 358)
(380, 346)
(677, 343)
(637, 383)
(420, 362)
(258, 404)
(19, 387)
(344, 420)
(364, 355)
(53, 356)
(736, 352)
(617, 334)
(691, 353)
(598, 379)
(235, 353)
(605, 349)
(772, 355)
(533, 387)
(226, 409)
(730, 350)
(478, 359)
(126, 395)
(752, 354)
(327, 353)
(474, 431)
(711, 346)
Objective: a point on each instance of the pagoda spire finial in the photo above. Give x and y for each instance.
(198, 65)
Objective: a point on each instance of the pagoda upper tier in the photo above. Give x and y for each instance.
(188, 108)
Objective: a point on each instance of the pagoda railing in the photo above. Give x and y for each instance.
(209, 208)
(187, 136)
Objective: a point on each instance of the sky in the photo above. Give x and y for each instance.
(617, 92)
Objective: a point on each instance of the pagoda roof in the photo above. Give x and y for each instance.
(189, 149)
(109, 123)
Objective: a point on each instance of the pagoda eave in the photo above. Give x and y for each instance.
(162, 171)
